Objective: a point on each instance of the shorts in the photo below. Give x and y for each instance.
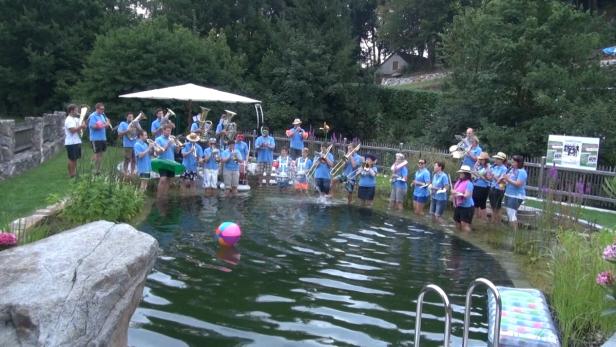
(295, 153)
(189, 175)
(437, 207)
(264, 167)
(421, 199)
(144, 176)
(73, 151)
(323, 185)
(231, 178)
(513, 203)
(366, 193)
(301, 186)
(480, 196)
(463, 214)
(349, 186)
(398, 194)
(210, 178)
(99, 146)
(129, 153)
(496, 198)
(166, 173)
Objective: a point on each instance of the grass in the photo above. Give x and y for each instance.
(576, 298)
(29, 191)
(604, 219)
(433, 85)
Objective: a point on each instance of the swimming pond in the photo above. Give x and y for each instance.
(304, 273)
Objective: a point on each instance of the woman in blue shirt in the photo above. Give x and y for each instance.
(515, 191)
(399, 177)
(439, 186)
(481, 185)
(497, 185)
(472, 153)
(421, 193)
(322, 173)
(367, 181)
(142, 151)
(462, 196)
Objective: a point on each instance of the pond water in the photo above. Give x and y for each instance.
(304, 273)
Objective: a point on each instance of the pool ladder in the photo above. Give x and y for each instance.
(467, 311)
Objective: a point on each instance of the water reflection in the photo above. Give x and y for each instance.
(309, 275)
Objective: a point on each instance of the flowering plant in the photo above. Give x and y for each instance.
(7, 240)
(607, 280)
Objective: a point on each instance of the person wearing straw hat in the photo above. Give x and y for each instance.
(367, 181)
(421, 193)
(191, 158)
(211, 158)
(297, 136)
(462, 196)
(399, 177)
(481, 185)
(497, 186)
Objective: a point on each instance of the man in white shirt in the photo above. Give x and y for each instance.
(72, 138)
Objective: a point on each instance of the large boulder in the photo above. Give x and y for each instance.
(76, 288)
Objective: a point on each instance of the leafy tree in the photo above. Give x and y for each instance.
(151, 55)
(521, 70)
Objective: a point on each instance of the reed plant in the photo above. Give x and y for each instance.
(575, 297)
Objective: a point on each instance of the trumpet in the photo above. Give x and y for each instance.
(368, 166)
(156, 146)
(216, 154)
(322, 156)
(176, 141)
(339, 165)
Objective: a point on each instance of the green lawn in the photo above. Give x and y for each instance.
(23, 194)
(433, 85)
(604, 219)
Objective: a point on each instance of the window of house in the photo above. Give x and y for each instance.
(395, 65)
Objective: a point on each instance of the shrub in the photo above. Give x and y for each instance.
(102, 197)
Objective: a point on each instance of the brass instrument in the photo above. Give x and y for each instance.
(216, 154)
(325, 128)
(206, 125)
(459, 150)
(322, 156)
(368, 166)
(83, 111)
(229, 127)
(167, 116)
(157, 147)
(134, 126)
(177, 142)
(339, 165)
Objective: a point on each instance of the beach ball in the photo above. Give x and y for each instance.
(275, 164)
(99, 124)
(228, 233)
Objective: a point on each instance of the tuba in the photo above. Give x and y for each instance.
(206, 125)
(167, 116)
(229, 126)
(134, 126)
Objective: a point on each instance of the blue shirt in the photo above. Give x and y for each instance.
(481, 182)
(210, 160)
(194, 127)
(367, 180)
(297, 140)
(349, 168)
(97, 134)
(231, 165)
(402, 172)
(468, 202)
(155, 129)
(219, 127)
(422, 176)
(169, 154)
(126, 142)
(265, 154)
(143, 164)
(243, 148)
(467, 158)
(189, 161)
(439, 181)
(517, 192)
(322, 170)
(497, 171)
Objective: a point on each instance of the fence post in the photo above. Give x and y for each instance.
(541, 173)
(7, 140)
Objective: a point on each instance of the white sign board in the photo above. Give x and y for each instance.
(573, 151)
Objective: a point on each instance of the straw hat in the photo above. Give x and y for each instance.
(465, 168)
(483, 155)
(500, 155)
(192, 137)
(399, 156)
(297, 121)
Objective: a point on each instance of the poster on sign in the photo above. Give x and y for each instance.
(573, 151)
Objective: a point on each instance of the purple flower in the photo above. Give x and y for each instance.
(579, 187)
(7, 239)
(605, 278)
(553, 172)
(609, 253)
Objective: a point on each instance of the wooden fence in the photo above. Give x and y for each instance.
(566, 184)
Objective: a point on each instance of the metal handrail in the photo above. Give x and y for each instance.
(448, 312)
(467, 310)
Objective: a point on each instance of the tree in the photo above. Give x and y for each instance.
(519, 70)
(151, 55)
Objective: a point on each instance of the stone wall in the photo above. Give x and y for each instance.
(27, 144)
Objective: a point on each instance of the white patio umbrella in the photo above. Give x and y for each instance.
(192, 92)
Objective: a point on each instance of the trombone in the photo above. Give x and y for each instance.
(313, 168)
(339, 165)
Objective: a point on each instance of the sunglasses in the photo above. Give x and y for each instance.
(421, 163)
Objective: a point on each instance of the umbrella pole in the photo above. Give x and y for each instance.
(189, 113)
